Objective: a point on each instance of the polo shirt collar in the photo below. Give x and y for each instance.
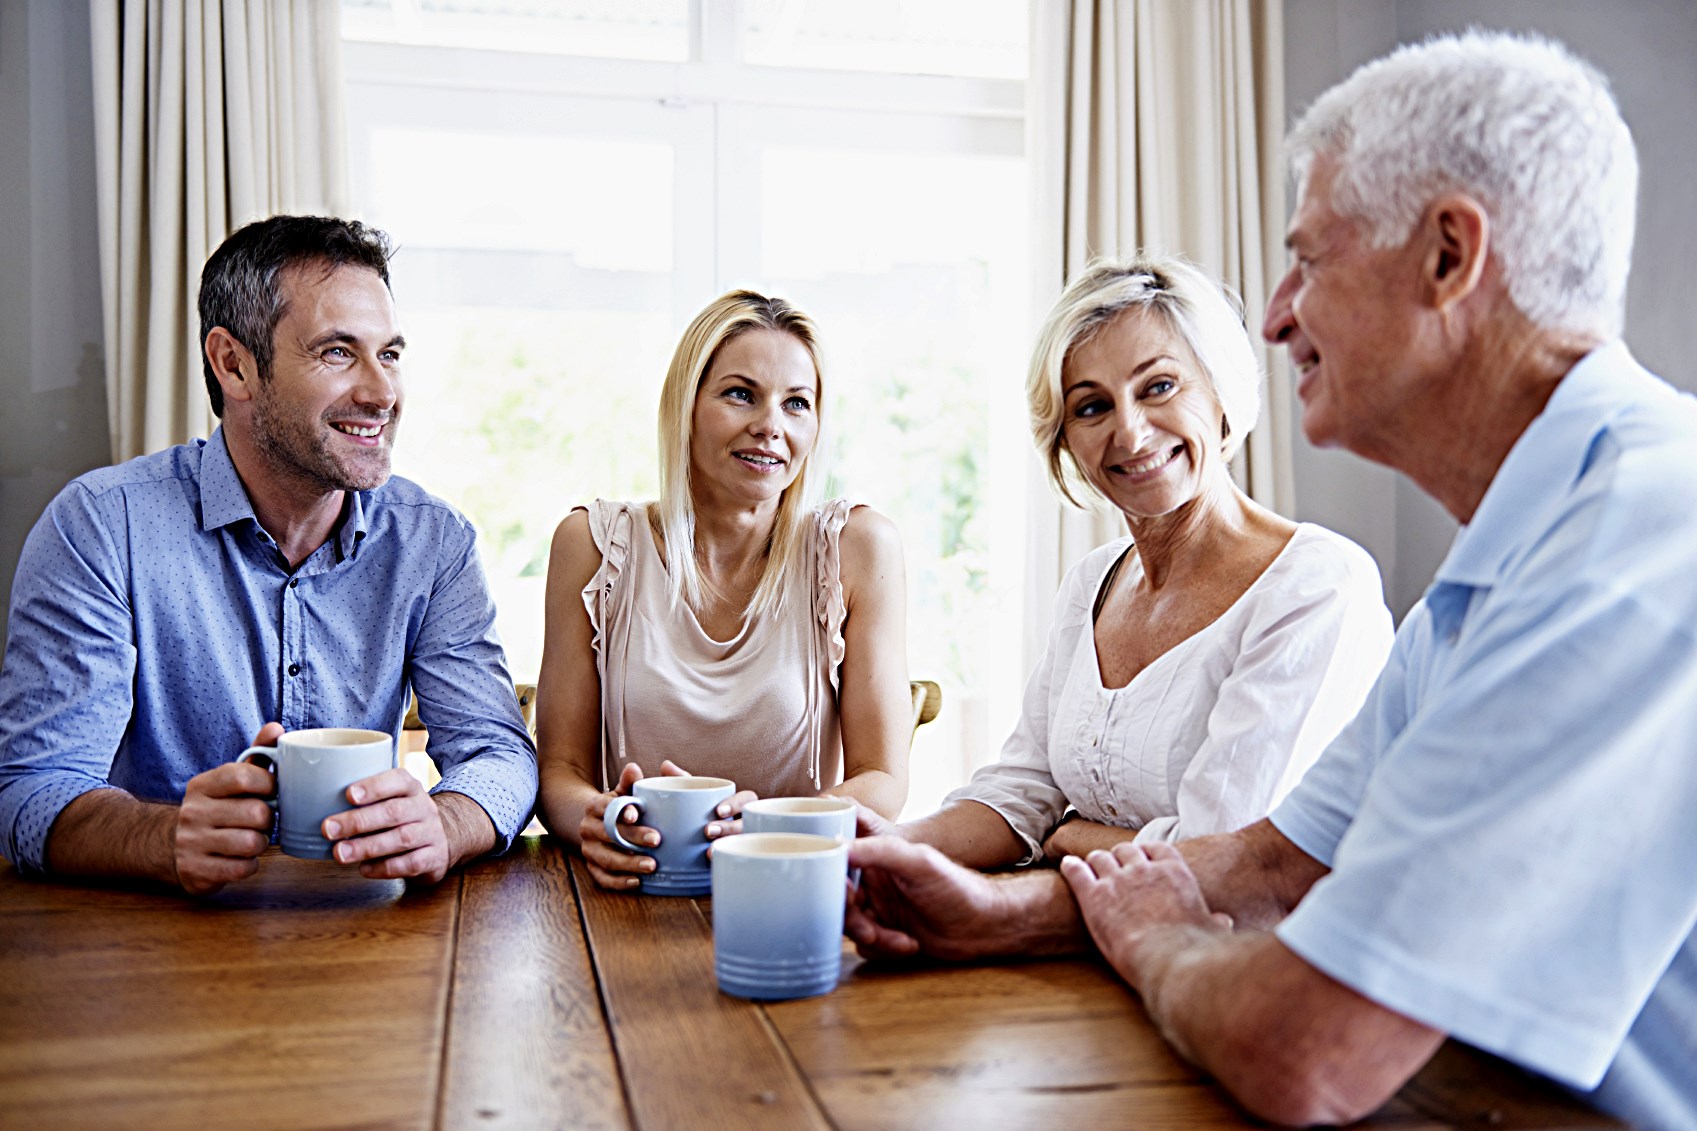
(1541, 467)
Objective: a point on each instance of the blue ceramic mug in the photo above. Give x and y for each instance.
(679, 809)
(778, 914)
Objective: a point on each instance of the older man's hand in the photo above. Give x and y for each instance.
(1127, 891)
(912, 899)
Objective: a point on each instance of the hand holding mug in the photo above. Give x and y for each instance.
(224, 822)
(729, 810)
(610, 865)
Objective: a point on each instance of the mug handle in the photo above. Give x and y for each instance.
(269, 753)
(614, 808)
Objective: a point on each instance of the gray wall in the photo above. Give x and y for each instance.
(1648, 48)
(52, 384)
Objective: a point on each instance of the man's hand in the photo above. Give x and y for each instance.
(1126, 892)
(397, 830)
(912, 899)
(224, 823)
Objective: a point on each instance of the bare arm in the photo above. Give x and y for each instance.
(1293, 1045)
(1256, 875)
(213, 838)
(1077, 836)
(876, 706)
(969, 832)
(568, 714)
(913, 900)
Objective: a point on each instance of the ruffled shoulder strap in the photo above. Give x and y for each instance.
(611, 525)
(828, 607)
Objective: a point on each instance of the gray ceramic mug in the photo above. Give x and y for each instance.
(314, 769)
(778, 914)
(680, 809)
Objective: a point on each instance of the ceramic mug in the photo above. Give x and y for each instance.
(314, 769)
(778, 914)
(818, 816)
(680, 809)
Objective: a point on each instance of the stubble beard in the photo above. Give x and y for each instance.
(299, 448)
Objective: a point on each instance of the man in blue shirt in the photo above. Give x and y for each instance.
(272, 578)
(1498, 848)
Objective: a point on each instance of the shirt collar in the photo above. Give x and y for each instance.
(1542, 466)
(223, 499)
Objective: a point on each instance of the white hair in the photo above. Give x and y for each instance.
(1207, 316)
(1519, 123)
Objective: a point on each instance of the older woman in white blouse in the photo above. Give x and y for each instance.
(1196, 668)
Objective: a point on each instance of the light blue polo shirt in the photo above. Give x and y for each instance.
(1511, 821)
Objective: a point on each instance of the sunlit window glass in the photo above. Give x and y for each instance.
(969, 38)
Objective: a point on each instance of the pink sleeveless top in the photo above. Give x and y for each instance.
(759, 709)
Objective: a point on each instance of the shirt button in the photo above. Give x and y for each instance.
(294, 669)
(294, 583)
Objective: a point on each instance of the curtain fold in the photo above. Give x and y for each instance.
(1156, 125)
(208, 114)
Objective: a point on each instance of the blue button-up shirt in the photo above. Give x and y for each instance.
(1510, 819)
(155, 627)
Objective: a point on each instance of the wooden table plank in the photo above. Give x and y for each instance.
(1064, 1044)
(1015, 1045)
(307, 996)
(691, 1056)
(527, 1042)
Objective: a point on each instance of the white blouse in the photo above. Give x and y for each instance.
(1213, 734)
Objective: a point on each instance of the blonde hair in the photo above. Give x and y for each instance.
(725, 318)
(1203, 313)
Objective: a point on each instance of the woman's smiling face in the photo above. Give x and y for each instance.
(755, 420)
(1141, 418)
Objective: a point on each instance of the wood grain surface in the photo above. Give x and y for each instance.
(691, 1056)
(527, 1042)
(520, 995)
(307, 996)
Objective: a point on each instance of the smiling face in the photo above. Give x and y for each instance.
(1140, 417)
(755, 419)
(1348, 315)
(325, 414)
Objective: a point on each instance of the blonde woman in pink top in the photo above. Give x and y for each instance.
(732, 628)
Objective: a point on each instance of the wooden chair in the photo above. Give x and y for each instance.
(927, 701)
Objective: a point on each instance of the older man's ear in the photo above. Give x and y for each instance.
(1458, 239)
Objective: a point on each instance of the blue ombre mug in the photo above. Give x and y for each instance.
(778, 914)
(314, 769)
(679, 809)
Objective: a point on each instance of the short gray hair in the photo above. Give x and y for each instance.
(1207, 316)
(1520, 123)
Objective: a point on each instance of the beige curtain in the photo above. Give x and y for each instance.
(208, 114)
(1156, 124)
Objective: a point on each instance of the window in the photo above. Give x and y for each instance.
(560, 218)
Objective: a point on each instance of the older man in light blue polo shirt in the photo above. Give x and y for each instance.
(1500, 846)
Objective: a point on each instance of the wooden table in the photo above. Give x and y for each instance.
(518, 995)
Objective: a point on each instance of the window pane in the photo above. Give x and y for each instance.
(534, 283)
(578, 196)
(970, 38)
(919, 284)
(617, 29)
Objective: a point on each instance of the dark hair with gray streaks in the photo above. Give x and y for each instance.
(239, 287)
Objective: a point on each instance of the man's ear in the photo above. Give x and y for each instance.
(1458, 238)
(232, 364)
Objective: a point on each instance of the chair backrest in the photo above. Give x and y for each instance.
(927, 701)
